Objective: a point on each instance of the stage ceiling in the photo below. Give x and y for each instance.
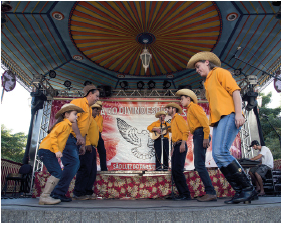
(102, 41)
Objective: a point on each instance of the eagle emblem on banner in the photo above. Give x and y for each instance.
(144, 144)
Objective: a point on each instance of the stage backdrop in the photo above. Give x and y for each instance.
(127, 141)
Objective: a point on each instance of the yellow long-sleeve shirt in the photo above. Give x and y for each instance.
(196, 118)
(220, 86)
(56, 140)
(84, 119)
(157, 124)
(99, 121)
(179, 128)
(93, 134)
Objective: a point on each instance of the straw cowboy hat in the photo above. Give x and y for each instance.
(95, 105)
(180, 111)
(189, 93)
(210, 56)
(68, 107)
(99, 103)
(157, 115)
(88, 88)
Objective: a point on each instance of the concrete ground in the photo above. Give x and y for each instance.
(27, 210)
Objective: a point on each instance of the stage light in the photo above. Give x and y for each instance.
(67, 83)
(151, 84)
(104, 90)
(87, 82)
(140, 85)
(250, 97)
(52, 74)
(124, 85)
(166, 84)
(237, 72)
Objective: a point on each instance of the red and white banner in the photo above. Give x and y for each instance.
(126, 138)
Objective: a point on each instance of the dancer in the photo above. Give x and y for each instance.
(225, 106)
(156, 128)
(198, 126)
(51, 149)
(180, 133)
(76, 142)
(101, 148)
(88, 169)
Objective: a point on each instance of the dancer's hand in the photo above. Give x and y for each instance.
(239, 120)
(80, 140)
(82, 150)
(58, 155)
(205, 143)
(182, 147)
(88, 148)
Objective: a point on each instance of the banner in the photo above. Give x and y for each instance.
(126, 138)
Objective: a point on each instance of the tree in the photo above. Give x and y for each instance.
(274, 118)
(12, 145)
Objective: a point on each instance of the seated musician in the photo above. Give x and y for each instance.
(259, 172)
(156, 128)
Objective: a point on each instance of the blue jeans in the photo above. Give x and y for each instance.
(223, 136)
(199, 161)
(71, 164)
(86, 174)
(51, 162)
(178, 163)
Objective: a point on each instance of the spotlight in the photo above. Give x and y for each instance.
(185, 87)
(276, 3)
(237, 72)
(104, 90)
(52, 74)
(87, 82)
(151, 84)
(124, 85)
(250, 97)
(67, 83)
(140, 85)
(166, 84)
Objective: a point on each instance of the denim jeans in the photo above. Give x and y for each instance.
(223, 136)
(102, 153)
(157, 147)
(71, 164)
(86, 174)
(178, 163)
(199, 161)
(51, 162)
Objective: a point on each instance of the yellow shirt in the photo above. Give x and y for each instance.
(93, 134)
(99, 121)
(196, 118)
(56, 140)
(157, 124)
(220, 86)
(179, 128)
(84, 119)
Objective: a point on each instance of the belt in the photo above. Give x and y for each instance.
(176, 143)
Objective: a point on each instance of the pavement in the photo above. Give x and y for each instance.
(24, 210)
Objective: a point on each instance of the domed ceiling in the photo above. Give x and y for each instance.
(102, 41)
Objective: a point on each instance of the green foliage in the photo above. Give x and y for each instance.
(274, 118)
(12, 145)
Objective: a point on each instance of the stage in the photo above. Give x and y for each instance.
(27, 210)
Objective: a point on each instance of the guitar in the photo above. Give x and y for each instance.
(154, 135)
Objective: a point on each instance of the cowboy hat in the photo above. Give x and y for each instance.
(187, 92)
(157, 115)
(88, 88)
(174, 105)
(95, 105)
(210, 56)
(68, 107)
(99, 103)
